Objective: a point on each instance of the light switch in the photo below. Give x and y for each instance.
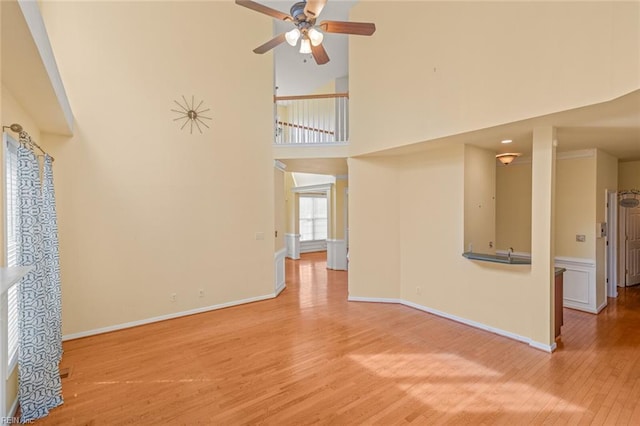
(259, 235)
(581, 238)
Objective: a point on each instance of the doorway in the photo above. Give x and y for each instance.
(629, 246)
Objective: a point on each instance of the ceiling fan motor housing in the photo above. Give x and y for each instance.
(297, 11)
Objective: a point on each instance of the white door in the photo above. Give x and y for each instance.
(633, 246)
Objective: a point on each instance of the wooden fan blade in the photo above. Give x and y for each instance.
(357, 28)
(264, 9)
(314, 7)
(270, 44)
(319, 54)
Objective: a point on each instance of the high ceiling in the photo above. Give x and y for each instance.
(298, 74)
(613, 127)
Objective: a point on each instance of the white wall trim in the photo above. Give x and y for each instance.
(537, 345)
(601, 307)
(279, 165)
(581, 153)
(313, 246)
(312, 145)
(373, 299)
(14, 408)
(278, 259)
(292, 244)
(166, 317)
(579, 283)
(33, 18)
(576, 261)
(337, 255)
(323, 187)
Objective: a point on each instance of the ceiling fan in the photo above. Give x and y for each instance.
(303, 16)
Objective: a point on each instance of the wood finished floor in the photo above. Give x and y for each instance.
(310, 356)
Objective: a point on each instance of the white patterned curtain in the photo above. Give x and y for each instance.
(39, 386)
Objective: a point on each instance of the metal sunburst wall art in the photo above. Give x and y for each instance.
(191, 114)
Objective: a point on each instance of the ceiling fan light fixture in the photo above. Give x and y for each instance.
(305, 46)
(292, 36)
(315, 36)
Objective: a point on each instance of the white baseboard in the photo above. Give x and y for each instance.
(537, 345)
(165, 317)
(313, 246)
(579, 282)
(280, 276)
(601, 307)
(337, 255)
(292, 245)
(14, 408)
(373, 299)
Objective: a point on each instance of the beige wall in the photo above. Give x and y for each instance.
(406, 241)
(374, 228)
(479, 200)
(339, 211)
(629, 175)
(513, 207)
(606, 180)
(145, 209)
(279, 209)
(431, 218)
(434, 79)
(575, 207)
(291, 201)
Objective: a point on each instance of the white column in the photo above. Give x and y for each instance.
(292, 242)
(542, 235)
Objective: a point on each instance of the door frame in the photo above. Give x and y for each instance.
(611, 256)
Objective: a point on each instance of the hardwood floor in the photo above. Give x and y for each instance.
(310, 356)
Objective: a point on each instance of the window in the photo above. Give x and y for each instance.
(313, 217)
(12, 247)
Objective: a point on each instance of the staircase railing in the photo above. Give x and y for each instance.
(312, 119)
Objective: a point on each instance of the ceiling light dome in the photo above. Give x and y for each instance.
(507, 157)
(305, 45)
(315, 36)
(292, 36)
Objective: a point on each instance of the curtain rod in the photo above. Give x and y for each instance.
(16, 128)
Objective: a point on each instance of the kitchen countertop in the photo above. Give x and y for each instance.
(497, 258)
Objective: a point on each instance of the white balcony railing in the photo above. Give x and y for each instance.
(312, 119)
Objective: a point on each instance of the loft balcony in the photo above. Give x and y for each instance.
(312, 120)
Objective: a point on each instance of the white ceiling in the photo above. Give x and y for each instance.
(298, 74)
(310, 179)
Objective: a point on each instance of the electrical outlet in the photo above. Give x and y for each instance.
(418, 290)
(173, 297)
(201, 293)
(581, 238)
(490, 244)
(259, 235)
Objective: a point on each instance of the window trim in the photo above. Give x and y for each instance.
(319, 196)
(9, 361)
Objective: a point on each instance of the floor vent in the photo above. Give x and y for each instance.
(64, 373)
